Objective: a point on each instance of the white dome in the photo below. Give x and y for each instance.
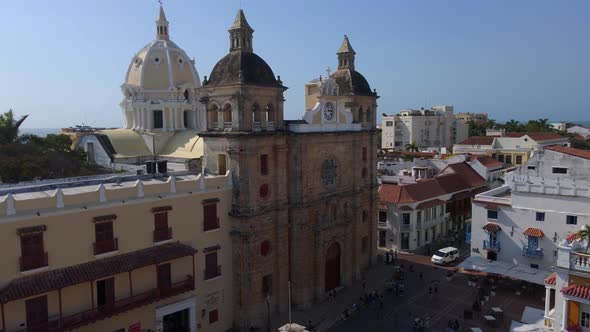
(161, 65)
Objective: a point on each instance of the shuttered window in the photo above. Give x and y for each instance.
(210, 219)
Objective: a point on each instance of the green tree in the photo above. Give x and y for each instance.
(584, 234)
(9, 127)
(412, 147)
(513, 126)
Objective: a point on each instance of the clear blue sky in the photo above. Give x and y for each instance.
(63, 62)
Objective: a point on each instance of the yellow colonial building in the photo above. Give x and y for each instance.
(148, 254)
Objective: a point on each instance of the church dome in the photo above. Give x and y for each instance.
(351, 82)
(242, 67)
(161, 64)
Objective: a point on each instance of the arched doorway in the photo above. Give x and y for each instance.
(332, 273)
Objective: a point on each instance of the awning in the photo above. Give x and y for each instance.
(492, 227)
(520, 272)
(579, 291)
(429, 204)
(76, 274)
(533, 232)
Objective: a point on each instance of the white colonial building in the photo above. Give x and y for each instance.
(431, 129)
(516, 228)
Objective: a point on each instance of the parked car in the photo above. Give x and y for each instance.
(445, 255)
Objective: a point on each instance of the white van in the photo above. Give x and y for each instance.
(445, 255)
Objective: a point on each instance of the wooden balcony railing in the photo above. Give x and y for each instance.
(101, 247)
(33, 262)
(83, 318)
(162, 234)
(212, 273)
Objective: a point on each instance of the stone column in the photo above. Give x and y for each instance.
(135, 119)
(547, 300)
(172, 124)
(141, 119)
(150, 117)
(164, 122)
(564, 314)
(220, 119)
(181, 118)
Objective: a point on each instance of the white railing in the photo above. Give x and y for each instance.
(579, 261)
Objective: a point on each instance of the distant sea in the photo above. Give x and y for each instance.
(42, 132)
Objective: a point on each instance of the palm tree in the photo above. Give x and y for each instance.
(544, 124)
(584, 234)
(9, 127)
(512, 126)
(412, 147)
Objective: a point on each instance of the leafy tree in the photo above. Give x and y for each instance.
(513, 126)
(412, 147)
(584, 234)
(9, 127)
(29, 157)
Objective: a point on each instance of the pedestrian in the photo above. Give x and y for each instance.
(364, 283)
(309, 326)
(457, 325)
(435, 288)
(421, 276)
(450, 326)
(381, 308)
(395, 253)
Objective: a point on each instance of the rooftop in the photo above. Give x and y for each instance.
(570, 151)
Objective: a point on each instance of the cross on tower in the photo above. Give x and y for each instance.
(328, 71)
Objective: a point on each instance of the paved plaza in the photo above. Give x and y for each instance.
(399, 311)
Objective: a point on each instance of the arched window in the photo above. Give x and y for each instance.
(270, 115)
(221, 164)
(227, 115)
(213, 117)
(255, 114)
(361, 118)
(368, 115)
(185, 119)
(186, 94)
(158, 119)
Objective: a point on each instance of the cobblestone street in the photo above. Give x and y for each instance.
(398, 313)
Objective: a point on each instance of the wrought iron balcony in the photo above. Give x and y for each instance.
(33, 262)
(532, 252)
(83, 318)
(491, 245)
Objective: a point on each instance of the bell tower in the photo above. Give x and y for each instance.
(346, 55)
(240, 34)
(162, 26)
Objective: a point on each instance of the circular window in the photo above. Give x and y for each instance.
(364, 172)
(264, 191)
(157, 60)
(180, 61)
(136, 61)
(265, 248)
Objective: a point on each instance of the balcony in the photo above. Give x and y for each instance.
(212, 273)
(101, 247)
(579, 261)
(491, 245)
(33, 262)
(227, 124)
(533, 252)
(405, 227)
(270, 126)
(162, 234)
(83, 318)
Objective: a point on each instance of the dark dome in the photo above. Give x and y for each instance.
(254, 70)
(351, 82)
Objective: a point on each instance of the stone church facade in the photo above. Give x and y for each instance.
(304, 200)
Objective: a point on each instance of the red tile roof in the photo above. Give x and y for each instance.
(534, 232)
(571, 151)
(410, 193)
(453, 178)
(572, 237)
(464, 171)
(492, 227)
(582, 292)
(550, 280)
(429, 204)
(544, 136)
(478, 140)
(405, 208)
(76, 274)
(488, 161)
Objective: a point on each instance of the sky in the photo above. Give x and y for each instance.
(63, 61)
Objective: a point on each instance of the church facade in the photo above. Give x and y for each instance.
(304, 192)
